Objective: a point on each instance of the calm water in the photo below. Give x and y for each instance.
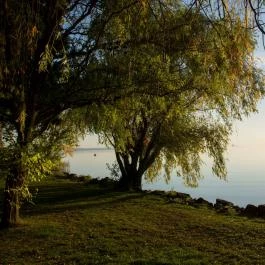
(245, 181)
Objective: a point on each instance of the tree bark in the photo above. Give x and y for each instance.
(125, 182)
(131, 181)
(1, 135)
(137, 182)
(12, 197)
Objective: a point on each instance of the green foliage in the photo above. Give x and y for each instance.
(46, 59)
(40, 158)
(176, 138)
(190, 82)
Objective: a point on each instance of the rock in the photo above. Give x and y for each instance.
(238, 209)
(70, 176)
(251, 211)
(173, 200)
(226, 207)
(147, 191)
(83, 178)
(106, 182)
(228, 210)
(102, 182)
(261, 210)
(94, 181)
(159, 192)
(200, 202)
(222, 203)
(178, 195)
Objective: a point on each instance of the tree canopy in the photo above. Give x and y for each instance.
(195, 84)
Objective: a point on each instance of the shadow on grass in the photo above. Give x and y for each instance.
(66, 192)
(150, 263)
(67, 197)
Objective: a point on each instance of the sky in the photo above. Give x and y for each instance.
(251, 131)
(249, 134)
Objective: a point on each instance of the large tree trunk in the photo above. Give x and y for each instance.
(1, 135)
(131, 182)
(12, 197)
(137, 182)
(125, 182)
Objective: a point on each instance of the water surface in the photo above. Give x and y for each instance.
(245, 181)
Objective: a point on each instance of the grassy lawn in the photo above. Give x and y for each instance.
(74, 223)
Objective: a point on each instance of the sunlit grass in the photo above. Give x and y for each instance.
(73, 223)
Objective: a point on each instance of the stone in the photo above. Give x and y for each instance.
(173, 200)
(73, 176)
(106, 181)
(261, 210)
(94, 181)
(201, 202)
(178, 195)
(227, 210)
(223, 203)
(226, 207)
(238, 209)
(251, 211)
(158, 192)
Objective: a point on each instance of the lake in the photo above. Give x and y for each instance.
(245, 181)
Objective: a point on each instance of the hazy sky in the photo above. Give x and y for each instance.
(251, 131)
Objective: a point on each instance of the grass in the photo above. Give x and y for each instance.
(74, 223)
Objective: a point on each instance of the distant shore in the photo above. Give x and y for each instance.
(93, 148)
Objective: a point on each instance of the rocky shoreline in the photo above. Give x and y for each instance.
(220, 206)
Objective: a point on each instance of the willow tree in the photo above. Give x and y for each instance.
(45, 48)
(196, 83)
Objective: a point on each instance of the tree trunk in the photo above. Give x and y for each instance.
(12, 195)
(1, 136)
(137, 182)
(125, 182)
(131, 182)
